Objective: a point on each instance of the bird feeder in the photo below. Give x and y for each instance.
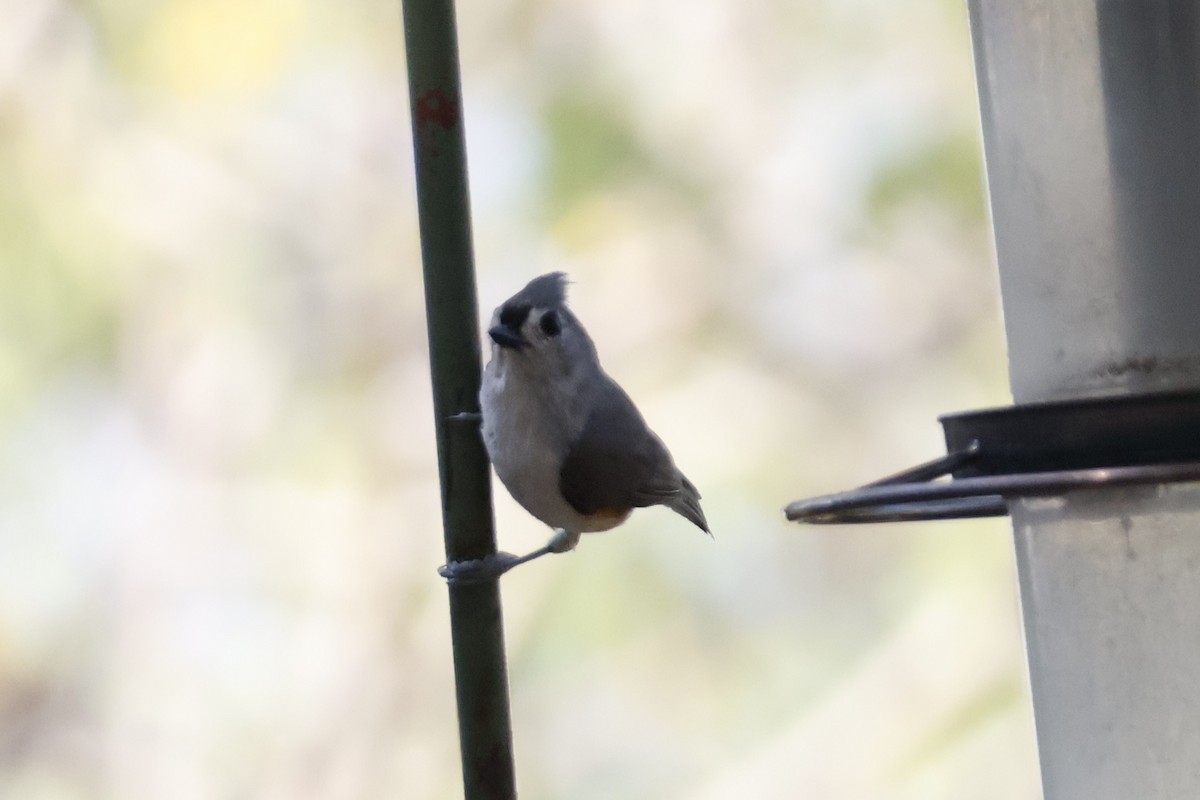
(1091, 129)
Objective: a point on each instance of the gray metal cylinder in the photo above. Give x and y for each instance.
(1091, 122)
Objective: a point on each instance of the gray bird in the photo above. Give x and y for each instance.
(564, 438)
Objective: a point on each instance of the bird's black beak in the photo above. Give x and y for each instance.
(507, 337)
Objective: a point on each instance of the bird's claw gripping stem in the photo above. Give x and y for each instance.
(479, 570)
(489, 568)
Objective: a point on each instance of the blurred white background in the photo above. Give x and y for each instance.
(218, 491)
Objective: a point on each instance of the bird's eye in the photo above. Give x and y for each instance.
(550, 324)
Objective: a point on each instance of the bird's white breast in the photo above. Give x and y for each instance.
(527, 432)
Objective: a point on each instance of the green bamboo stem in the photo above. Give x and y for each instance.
(477, 630)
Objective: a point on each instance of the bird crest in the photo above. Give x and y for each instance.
(544, 291)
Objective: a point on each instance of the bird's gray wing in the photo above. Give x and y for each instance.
(617, 462)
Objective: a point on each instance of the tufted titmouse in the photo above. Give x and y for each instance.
(564, 438)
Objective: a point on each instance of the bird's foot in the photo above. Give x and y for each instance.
(478, 570)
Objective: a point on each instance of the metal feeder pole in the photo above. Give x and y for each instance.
(1091, 123)
(477, 629)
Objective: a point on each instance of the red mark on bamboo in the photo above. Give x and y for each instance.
(434, 106)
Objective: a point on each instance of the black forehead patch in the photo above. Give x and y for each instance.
(513, 314)
(545, 291)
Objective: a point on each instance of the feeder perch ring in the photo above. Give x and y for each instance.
(1035, 450)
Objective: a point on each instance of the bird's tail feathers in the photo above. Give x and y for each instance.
(686, 503)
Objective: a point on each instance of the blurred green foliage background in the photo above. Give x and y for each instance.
(218, 505)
